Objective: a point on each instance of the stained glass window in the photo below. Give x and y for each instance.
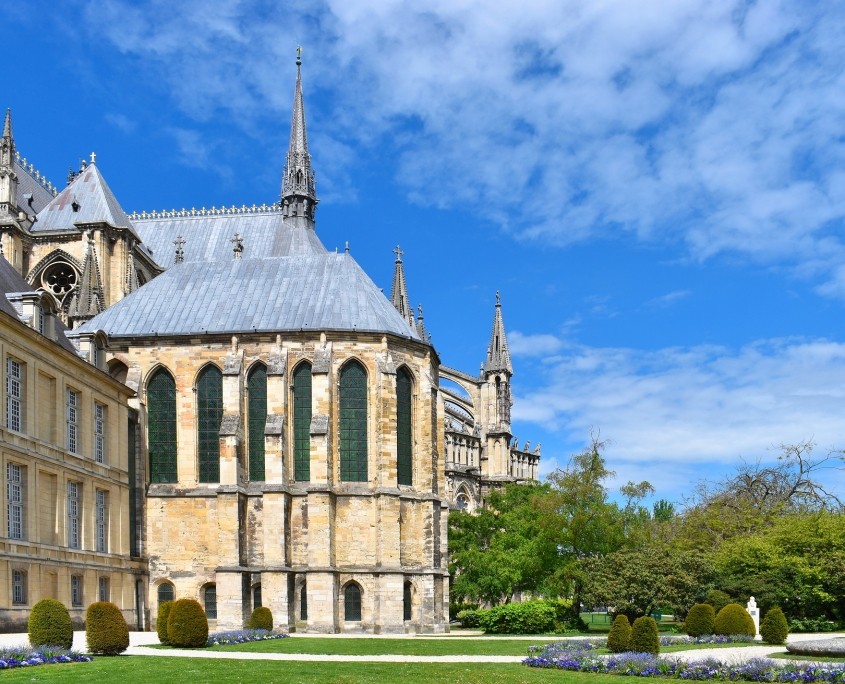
(257, 397)
(302, 422)
(404, 443)
(165, 592)
(209, 417)
(161, 426)
(353, 423)
(352, 603)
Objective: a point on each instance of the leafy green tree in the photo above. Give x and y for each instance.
(663, 510)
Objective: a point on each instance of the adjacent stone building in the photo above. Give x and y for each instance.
(300, 445)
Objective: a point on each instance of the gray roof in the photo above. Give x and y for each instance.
(317, 292)
(94, 200)
(28, 185)
(208, 236)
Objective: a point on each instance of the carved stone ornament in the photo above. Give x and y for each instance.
(278, 363)
(275, 424)
(230, 426)
(232, 364)
(320, 424)
(386, 364)
(322, 361)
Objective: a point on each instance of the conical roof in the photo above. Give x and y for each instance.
(498, 354)
(399, 291)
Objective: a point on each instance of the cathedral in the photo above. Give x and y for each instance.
(253, 421)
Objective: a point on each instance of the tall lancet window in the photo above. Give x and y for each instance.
(302, 422)
(257, 398)
(161, 426)
(353, 423)
(404, 439)
(209, 417)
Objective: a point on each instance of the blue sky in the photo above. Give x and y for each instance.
(657, 188)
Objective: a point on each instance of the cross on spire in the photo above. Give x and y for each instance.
(398, 252)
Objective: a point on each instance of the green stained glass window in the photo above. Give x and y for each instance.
(161, 426)
(404, 448)
(257, 397)
(302, 423)
(209, 417)
(352, 603)
(353, 423)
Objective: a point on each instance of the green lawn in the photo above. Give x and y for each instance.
(441, 646)
(818, 659)
(189, 670)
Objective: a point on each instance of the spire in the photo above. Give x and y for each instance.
(8, 177)
(87, 300)
(399, 291)
(7, 124)
(132, 282)
(498, 355)
(299, 191)
(421, 331)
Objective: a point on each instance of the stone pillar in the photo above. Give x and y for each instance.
(322, 602)
(230, 608)
(389, 611)
(274, 595)
(754, 612)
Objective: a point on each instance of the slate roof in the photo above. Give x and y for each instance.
(28, 185)
(95, 202)
(208, 237)
(324, 291)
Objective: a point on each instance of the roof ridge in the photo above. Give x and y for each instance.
(35, 174)
(242, 210)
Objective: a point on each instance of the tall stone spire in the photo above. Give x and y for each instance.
(299, 191)
(8, 177)
(399, 291)
(498, 355)
(87, 300)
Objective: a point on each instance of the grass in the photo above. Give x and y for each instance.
(367, 646)
(818, 659)
(189, 670)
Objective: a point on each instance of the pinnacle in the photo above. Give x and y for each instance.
(7, 124)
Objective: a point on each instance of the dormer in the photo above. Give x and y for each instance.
(36, 309)
(92, 348)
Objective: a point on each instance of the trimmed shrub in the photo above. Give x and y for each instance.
(161, 621)
(50, 624)
(734, 619)
(529, 617)
(187, 626)
(619, 636)
(105, 629)
(701, 620)
(261, 618)
(773, 628)
(458, 606)
(644, 637)
(470, 618)
(718, 599)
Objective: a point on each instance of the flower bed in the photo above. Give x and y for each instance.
(242, 636)
(25, 656)
(707, 639)
(582, 658)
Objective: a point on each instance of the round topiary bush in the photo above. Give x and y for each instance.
(734, 619)
(187, 626)
(701, 620)
(619, 636)
(105, 629)
(50, 625)
(161, 621)
(773, 628)
(644, 638)
(261, 618)
(718, 599)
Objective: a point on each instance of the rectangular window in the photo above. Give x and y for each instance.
(99, 433)
(15, 475)
(73, 531)
(76, 590)
(102, 514)
(72, 404)
(41, 319)
(103, 588)
(14, 395)
(18, 587)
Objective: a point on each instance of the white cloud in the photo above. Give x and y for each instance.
(533, 345)
(673, 411)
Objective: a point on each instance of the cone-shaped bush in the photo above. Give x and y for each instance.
(644, 638)
(619, 636)
(701, 620)
(187, 626)
(734, 619)
(161, 621)
(774, 628)
(50, 625)
(105, 629)
(261, 618)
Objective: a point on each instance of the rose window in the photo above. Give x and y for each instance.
(59, 278)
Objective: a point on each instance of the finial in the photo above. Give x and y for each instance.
(346, 249)
(398, 252)
(237, 245)
(180, 254)
(298, 55)
(93, 157)
(420, 310)
(498, 299)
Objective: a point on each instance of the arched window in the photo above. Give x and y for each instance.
(407, 601)
(165, 592)
(257, 397)
(302, 422)
(462, 501)
(209, 597)
(404, 442)
(303, 602)
(209, 417)
(161, 426)
(353, 423)
(256, 596)
(352, 603)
